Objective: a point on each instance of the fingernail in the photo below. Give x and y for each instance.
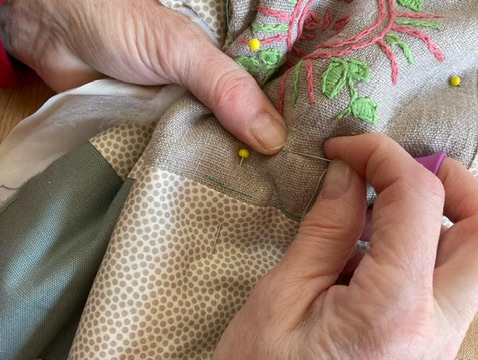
(269, 132)
(337, 180)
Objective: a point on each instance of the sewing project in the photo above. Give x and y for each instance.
(181, 233)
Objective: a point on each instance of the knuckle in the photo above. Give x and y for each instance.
(429, 187)
(330, 227)
(230, 88)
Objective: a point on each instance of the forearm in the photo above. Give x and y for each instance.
(4, 23)
(18, 30)
(26, 27)
(8, 76)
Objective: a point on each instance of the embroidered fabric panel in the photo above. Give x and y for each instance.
(181, 262)
(345, 88)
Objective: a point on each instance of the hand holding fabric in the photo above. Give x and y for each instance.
(412, 297)
(69, 43)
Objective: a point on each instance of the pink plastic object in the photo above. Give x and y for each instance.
(432, 162)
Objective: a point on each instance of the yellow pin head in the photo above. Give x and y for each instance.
(455, 81)
(254, 44)
(244, 153)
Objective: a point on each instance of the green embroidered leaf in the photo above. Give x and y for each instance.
(415, 5)
(358, 70)
(250, 63)
(265, 81)
(295, 81)
(269, 28)
(334, 78)
(270, 57)
(416, 22)
(395, 39)
(365, 109)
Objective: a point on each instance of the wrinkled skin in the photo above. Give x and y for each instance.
(69, 43)
(412, 297)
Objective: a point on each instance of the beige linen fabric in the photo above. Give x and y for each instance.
(422, 111)
(469, 348)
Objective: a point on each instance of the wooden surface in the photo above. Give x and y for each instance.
(17, 104)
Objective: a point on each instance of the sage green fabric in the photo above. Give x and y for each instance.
(54, 233)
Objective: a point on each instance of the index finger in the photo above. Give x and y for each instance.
(407, 214)
(459, 205)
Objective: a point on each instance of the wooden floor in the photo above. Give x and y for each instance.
(17, 104)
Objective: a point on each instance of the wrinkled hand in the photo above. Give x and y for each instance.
(69, 43)
(412, 297)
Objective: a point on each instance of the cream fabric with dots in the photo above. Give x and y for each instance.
(182, 260)
(211, 12)
(474, 166)
(122, 145)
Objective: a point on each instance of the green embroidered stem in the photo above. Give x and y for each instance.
(353, 96)
(344, 113)
(265, 81)
(395, 39)
(416, 22)
(270, 28)
(352, 89)
(294, 2)
(295, 81)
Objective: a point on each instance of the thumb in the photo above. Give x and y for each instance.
(329, 232)
(235, 98)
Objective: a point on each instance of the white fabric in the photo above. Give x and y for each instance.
(71, 118)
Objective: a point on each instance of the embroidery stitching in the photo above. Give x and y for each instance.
(340, 71)
(248, 63)
(416, 5)
(366, 110)
(346, 71)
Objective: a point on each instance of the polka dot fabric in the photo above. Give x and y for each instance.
(474, 166)
(211, 12)
(123, 145)
(182, 261)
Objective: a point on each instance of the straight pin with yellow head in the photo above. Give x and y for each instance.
(243, 154)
